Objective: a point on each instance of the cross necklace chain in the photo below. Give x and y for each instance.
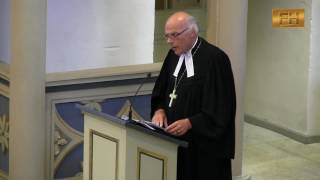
(173, 95)
(177, 81)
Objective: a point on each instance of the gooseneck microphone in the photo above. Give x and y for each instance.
(141, 84)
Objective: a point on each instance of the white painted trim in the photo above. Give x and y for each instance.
(102, 74)
(4, 90)
(245, 177)
(4, 71)
(4, 74)
(313, 94)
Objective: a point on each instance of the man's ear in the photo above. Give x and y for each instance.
(193, 33)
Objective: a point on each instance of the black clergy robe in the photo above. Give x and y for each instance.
(208, 99)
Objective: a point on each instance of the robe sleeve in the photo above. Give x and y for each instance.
(159, 90)
(218, 100)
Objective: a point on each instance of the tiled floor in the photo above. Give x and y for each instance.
(271, 156)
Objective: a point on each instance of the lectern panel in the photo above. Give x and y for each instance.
(104, 157)
(116, 149)
(151, 165)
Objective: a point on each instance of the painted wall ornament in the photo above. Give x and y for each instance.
(4, 133)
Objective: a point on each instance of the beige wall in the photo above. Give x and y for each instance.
(96, 34)
(277, 66)
(314, 73)
(5, 31)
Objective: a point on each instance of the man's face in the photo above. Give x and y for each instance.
(179, 37)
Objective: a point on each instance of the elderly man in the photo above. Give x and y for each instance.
(194, 98)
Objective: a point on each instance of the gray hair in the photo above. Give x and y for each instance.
(192, 23)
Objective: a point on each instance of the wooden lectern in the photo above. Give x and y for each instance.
(116, 149)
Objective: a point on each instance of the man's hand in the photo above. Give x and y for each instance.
(179, 127)
(159, 118)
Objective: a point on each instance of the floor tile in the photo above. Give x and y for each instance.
(270, 156)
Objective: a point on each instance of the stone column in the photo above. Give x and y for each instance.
(227, 28)
(27, 90)
(313, 123)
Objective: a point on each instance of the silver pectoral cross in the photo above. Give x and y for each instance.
(172, 96)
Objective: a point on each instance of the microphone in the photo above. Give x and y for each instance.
(141, 84)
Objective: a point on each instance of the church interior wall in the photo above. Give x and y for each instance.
(97, 34)
(5, 31)
(278, 61)
(280, 57)
(91, 34)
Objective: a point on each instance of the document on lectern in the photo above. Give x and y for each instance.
(144, 123)
(154, 125)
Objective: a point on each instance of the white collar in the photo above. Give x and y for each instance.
(188, 61)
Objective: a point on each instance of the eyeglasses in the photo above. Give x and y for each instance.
(175, 34)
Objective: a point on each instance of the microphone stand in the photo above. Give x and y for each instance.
(141, 84)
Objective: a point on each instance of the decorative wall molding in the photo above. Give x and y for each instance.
(241, 178)
(68, 137)
(102, 74)
(4, 79)
(93, 104)
(124, 111)
(90, 88)
(4, 71)
(4, 133)
(4, 90)
(4, 121)
(59, 142)
(3, 175)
